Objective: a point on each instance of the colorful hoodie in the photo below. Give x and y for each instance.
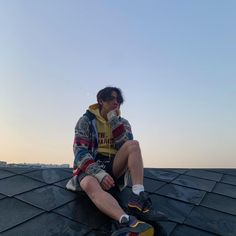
(86, 140)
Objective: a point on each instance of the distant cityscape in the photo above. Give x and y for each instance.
(33, 165)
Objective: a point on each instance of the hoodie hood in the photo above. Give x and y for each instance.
(94, 108)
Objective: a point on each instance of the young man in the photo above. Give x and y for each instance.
(105, 155)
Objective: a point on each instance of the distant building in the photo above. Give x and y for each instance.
(34, 165)
(3, 163)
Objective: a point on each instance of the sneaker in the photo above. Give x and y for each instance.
(134, 227)
(141, 207)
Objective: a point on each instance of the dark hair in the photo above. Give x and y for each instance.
(105, 94)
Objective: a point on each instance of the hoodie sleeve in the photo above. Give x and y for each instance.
(84, 161)
(121, 131)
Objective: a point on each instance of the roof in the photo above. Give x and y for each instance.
(199, 202)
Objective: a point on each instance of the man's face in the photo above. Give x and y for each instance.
(111, 103)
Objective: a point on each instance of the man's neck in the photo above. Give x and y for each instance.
(103, 114)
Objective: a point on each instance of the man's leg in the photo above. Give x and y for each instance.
(129, 156)
(104, 201)
(109, 206)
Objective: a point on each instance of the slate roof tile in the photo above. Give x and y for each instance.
(214, 201)
(5, 174)
(183, 230)
(182, 193)
(49, 176)
(14, 212)
(194, 182)
(177, 211)
(20, 170)
(163, 175)
(83, 210)
(228, 179)
(228, 171)
(178, 171)
(212, 221)
(48, 197)
(18, 184)
(168, 226)
(96, 232)
(62, 183)
(152, 185)
(199, 202)
(48, 224)
(225, 189)
(205, 174)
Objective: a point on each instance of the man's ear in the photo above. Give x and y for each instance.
(100, 102)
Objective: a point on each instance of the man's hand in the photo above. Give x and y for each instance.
(107, 182)
(112, 114)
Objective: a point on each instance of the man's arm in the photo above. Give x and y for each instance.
(84, 161)
(121, 129)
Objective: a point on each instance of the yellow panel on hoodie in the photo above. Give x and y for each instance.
(105, 138)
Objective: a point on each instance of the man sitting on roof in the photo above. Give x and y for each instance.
(105, 155)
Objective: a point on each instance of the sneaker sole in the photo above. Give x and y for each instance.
(149, 231)
(144, 217)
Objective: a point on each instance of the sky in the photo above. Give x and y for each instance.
(175, 62)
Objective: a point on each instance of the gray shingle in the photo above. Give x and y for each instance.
(20, 170)
(14, 212)
(81, 211)
(183, 230)
(162, 175)
(47, 198)
(228, 179)
(48, 224)
(49, 176)
(178, 171)
(205, 174)
(62, 183)
(2, 196)
(220, 203)
(152, 185)
(182, 193)
(168, 226)
(5, 174)
(228, 171)
(18, 184)
(225, 189)
(177, 211)
(212, 221)
(194, 182)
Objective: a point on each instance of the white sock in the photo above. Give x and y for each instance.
(122, 218)
(137, 188)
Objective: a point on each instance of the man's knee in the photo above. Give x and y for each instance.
(132, 146)
(90, 185)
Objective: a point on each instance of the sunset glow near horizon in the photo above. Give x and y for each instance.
(175, 62)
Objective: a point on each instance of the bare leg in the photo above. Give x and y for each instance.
(129, 156)
(104, 201)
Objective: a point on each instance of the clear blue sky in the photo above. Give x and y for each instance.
(174, 60)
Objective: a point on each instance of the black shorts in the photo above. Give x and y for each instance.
(106, 163)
